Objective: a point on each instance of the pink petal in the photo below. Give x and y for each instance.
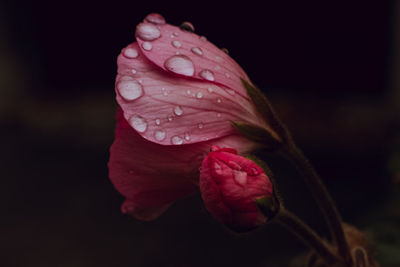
(170, 110)
(152, 176)
(207, 59)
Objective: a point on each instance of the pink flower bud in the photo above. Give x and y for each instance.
(230, 185)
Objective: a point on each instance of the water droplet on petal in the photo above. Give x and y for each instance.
(147, 31)
(200, 125)
(217, 168)
(187, 136)
(133, 71)
(130, 89)
(218, 115)
(187, 26)
(138, 123)
(230, 91)
(159, 135)
(234, 165)
(240, 177)
(178, 111)
(188, 92)
(197, 51)
(176, 140)
(253, 171)
(210, 90)
(226, 51)
(219, 100)
(131, 53)
(176, 34)
(158, 121)
(147, 46)
(155, 18)
(203, 38)
(170, 117)
(199, 95)
(207, 75)
(180, 64)
(176, 44)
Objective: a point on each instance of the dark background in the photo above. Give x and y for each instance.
(330, 69)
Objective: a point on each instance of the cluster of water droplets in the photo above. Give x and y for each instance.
(148, 31)
(131, 89)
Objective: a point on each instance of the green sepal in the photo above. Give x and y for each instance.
(276, 194)
(262, 165)
(268, 206)
(258, 135)
(264, 108)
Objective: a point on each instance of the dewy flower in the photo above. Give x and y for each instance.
(178, 94)
(230, 185)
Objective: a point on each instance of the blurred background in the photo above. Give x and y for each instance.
(330, 69)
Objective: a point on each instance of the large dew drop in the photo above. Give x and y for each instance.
(138, 123)
(178, 111)
(130, 89)
(159, 135)
(147, 31)
(207, 75)
(155, 18)
(176, 140)
(131, 53)
(180, 64)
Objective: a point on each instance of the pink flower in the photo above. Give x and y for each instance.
(178, 94)
(152, 176)
(229, 186)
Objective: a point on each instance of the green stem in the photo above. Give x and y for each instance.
(322, 197)
(307, 235)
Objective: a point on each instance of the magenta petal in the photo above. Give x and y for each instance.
(209, 62)
(172, 110)
(152, 176)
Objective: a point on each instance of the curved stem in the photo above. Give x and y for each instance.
(322, 196)
(305, 233)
